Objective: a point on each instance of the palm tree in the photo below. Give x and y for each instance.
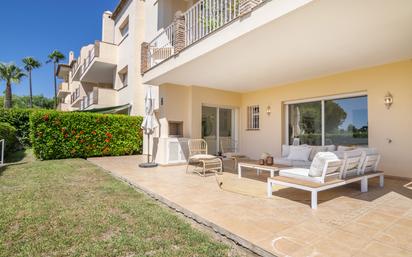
(55, 57)
(10, 73)
(30, 64)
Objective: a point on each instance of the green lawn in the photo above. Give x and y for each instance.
(73, 208)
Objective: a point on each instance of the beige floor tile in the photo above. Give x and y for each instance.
(280, 245)
(376, 219)
(348, 239)
(359, 229)
(329, 247)
(397, 236)
(378, 249)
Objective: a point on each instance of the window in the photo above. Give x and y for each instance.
(123, 75)
(124, 28)
(253, 117)
(124, 79)
(340, 121)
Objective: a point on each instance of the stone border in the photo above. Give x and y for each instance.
(198, 219)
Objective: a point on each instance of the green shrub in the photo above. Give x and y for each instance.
(9, 134)
(18, 118)
(60, 135)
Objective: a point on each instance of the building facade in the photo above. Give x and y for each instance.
(106, 75)
(264, 73)
(256, 73)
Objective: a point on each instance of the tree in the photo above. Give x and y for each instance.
(55, 57)
(30, 64)
(10, 73)
(39, 102)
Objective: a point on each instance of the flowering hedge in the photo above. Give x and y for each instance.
(60, 135)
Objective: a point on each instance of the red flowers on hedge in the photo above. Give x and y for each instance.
(57, 135)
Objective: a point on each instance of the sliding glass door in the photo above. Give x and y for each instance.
(218, 124)
(337, 121)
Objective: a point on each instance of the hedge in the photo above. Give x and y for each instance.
(61, 135)
(9, 134)
(18, 118)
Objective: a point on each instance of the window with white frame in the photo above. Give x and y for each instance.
(340, 120)
(123, 74)
(253, 117)
(124, 28)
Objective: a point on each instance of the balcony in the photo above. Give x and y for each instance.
(98, 98)
(200, 20)
(99, 64)
(75, 97)
(63, 90)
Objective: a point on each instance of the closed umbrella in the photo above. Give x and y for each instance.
(149, 125)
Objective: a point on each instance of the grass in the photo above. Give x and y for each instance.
(73, 208)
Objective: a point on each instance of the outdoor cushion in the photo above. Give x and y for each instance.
(319, 163)
(285, 150)
(330, 148)
(299, 153)
(293, 163)
(315, 150)
(203, 157)
(345, 148)
(282, 161)
(301, 164)
(299, 173)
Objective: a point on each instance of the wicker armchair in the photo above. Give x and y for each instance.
(199, 157)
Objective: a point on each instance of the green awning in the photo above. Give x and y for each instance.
(111, 109)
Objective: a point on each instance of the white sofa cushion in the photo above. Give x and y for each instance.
(299, 153)
(316, 149)
(285, 150)
(299, 173)
(330, 148)
(345, 148)
(319, 163)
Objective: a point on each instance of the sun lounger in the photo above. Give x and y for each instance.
(330, 177)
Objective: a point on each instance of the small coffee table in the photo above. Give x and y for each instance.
(259, 168)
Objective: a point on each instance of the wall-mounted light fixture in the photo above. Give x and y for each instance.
(268, 110)
(388, 100)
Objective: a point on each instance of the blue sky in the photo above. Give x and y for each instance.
(37, 27)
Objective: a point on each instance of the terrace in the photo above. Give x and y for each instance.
(346, 223)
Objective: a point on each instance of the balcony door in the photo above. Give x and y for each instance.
(218, 123)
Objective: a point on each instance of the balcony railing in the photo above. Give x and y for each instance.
(75, 95)
(197, 22)
(162, 46)
(87, 100)
(88, 60)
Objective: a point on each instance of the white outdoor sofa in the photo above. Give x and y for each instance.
(360, 166)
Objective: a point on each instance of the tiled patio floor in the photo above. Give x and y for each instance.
(346, 223)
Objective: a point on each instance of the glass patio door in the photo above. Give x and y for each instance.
(217, 125)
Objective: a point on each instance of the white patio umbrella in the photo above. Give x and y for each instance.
(149, 125)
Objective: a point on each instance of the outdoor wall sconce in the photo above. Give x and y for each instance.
(268, 110)
(388, 100)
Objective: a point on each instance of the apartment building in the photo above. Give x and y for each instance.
(105, 76)
(265, 73)
(257, 73)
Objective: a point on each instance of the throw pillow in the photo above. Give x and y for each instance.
(299, 153)
(315, 150)
(319, 162)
